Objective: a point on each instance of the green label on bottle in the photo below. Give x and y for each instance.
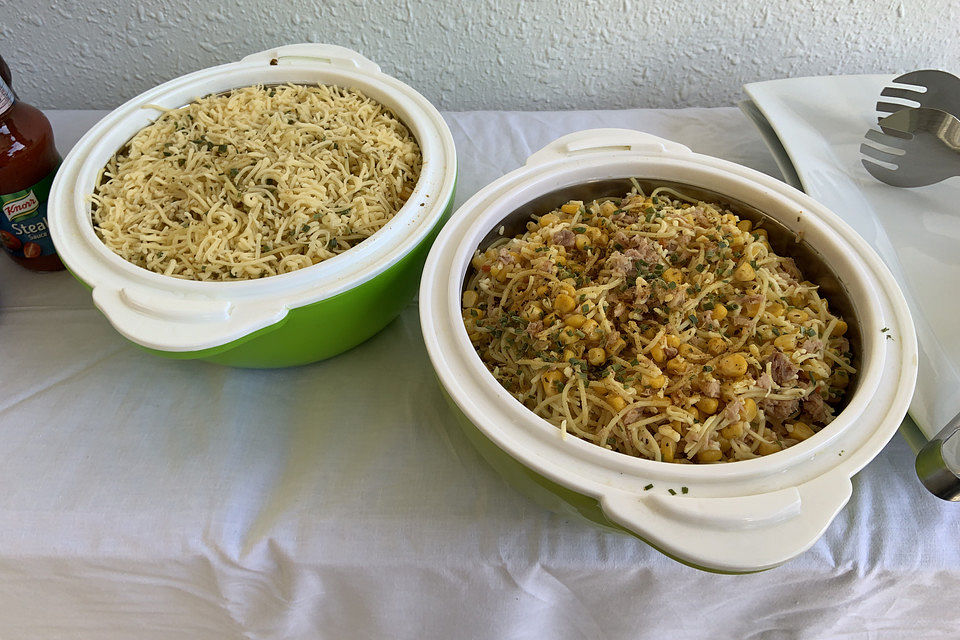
(23, 223)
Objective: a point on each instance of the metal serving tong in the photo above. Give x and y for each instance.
(919, 145)
(938, 463)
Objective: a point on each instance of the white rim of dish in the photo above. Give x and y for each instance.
(138, 301)
(874, 412)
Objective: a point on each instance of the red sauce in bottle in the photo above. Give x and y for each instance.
(28, 162)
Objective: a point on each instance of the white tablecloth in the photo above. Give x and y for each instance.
(149, 498)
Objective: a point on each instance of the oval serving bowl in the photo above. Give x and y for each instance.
(289, 319)
(732, 517)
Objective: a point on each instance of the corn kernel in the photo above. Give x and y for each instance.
(568, 336)
(469, 299)
(607, 208)
(581, 241)
(576, 321)
(840, 379)
(785, 342)
(673, 341)
(719, 312)
(766, 448)
(733, 365)
(549, 219)
(532, 312)
(708, 405)
(589, 327)
(617, 346)
(797, 316)
(749, 410)
(752, 308)
(840, 328)
(744, 273)
(550, 382)
(709, 455)
(596, 356)
(564, 303)
(676, 365)
(733, 431)
(616, 402)
(799, 430)
(668, 450)
(745, 225)
(570, 207)
(716, 346)
(654, 382)
(657, 354)
(775, 309)
(569, 354)
(673, 275)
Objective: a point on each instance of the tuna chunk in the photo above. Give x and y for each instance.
(732, 410)
(765, 381)
(534, 328)
(779, 410)
(619, 264)
(564, 238)
(710, 388)
(644, 249)
(782, 368)
(812, 345)
(818, 410)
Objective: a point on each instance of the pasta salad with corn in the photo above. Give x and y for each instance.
(660, 327)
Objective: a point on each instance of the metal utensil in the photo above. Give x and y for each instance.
(924, 148)
(935, 89)
(938, 463)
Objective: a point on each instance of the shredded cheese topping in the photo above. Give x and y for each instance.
(659, 327)
(255, 182)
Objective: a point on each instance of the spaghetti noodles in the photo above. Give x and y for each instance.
(659, 327)
(255, 182)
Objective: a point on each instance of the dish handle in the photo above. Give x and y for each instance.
(313, 53)
(733, 534)
(178, 323)
(604, 141)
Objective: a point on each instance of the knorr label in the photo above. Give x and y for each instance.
(23, 224)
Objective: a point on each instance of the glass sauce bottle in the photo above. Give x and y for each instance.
(28, 162)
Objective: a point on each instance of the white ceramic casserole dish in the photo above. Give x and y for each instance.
(293, 318)
(732, 517)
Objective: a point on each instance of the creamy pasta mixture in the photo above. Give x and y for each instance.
(659, 327)
(255, 182)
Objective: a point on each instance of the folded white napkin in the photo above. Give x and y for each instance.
(820, 123)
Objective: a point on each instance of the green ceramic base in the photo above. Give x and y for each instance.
(549, 494)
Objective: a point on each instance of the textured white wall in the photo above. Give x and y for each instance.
(482, 54)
